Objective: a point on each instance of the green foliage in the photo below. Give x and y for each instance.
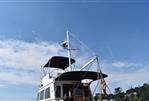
(132, 94)
(120, 96)
(118, 90)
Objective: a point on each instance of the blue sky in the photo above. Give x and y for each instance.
(116, 30)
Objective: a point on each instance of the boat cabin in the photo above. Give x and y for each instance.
(61, 85)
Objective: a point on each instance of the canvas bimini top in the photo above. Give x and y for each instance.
(80, 75)
(58, 62)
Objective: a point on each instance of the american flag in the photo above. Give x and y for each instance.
(103, 86)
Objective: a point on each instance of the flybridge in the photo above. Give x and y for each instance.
(61, 82)
(58, 62)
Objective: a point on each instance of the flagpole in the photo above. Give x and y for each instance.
(100, 81)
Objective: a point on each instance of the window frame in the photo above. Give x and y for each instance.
(47, 90)
(42, 94)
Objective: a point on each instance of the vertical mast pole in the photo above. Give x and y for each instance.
(100, 81)
(69, 50)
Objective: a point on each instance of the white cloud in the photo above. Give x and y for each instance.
(20, 54)
(22, 78)
(126, 75)
(20, 61)
(121, 64)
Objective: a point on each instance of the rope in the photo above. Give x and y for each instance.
(109, 90)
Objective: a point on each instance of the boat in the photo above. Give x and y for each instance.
(60, 82)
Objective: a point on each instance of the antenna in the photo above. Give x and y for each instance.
(69, 50)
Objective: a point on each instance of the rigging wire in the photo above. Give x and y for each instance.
(95, 88)
(93, 53)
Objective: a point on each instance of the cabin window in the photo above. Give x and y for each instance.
(67, 89)
(47, 93)
(42, 95)
(58, 91)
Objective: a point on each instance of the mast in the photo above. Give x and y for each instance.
(69, 50)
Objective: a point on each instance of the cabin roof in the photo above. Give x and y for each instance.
(58, 62)
(80, 75)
